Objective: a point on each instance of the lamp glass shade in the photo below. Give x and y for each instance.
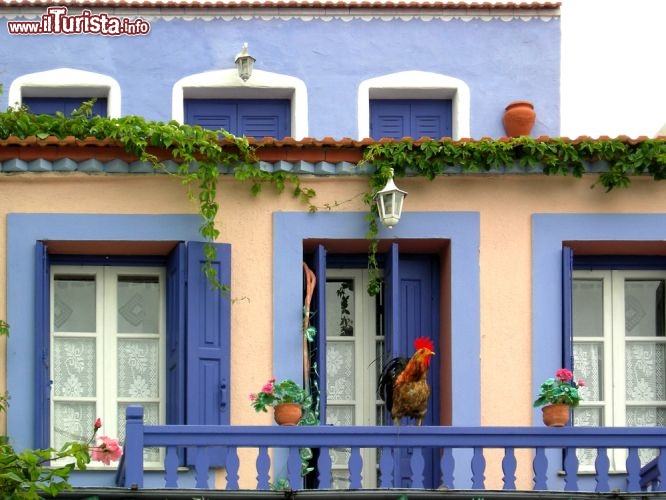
(244, 62)
(389, 203)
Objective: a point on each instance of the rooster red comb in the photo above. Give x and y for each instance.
(422, 342)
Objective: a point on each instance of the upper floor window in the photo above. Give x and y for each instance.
(268, 104)
(256, 118)
(64, 89)
(426, 98)
(398, 118)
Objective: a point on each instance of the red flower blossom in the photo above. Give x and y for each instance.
(564, 375)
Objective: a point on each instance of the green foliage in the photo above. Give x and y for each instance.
(28, 474)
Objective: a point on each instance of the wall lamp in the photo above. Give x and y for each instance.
(389, 203)
(244, 62)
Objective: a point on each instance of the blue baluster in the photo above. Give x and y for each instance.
(509, 469)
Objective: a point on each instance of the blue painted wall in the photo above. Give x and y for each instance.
(501, 61)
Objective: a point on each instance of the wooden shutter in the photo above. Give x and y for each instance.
(410, 118)
(42, 347)
(175, 332)
(256, 118)
(208, 330)
(567, 307)
(50, 105)
(318, 306)
(212, 114)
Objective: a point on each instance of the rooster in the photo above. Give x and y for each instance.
(403, 386)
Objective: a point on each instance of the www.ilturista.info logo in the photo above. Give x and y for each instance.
(56, 21)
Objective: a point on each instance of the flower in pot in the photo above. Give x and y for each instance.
(286, 397)
(558, 395)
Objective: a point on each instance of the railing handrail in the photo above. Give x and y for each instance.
(447, 439)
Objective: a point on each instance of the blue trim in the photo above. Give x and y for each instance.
(463, 231)
(590, 262)
(23, 231)
(549, 232)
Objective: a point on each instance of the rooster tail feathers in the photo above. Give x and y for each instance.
(387, 378)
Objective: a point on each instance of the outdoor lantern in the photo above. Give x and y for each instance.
(244, 62)
(389, 203)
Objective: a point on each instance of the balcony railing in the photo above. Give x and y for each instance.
(461, 455)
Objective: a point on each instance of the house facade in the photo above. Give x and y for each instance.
(512, 273)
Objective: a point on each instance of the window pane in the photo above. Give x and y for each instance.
(645, 373)
(644, 308)
(340, 366)
(74, 303)
(588, 365)
(73, 422)
(138, 369)
(588, 308)
(339, 308)
(74, 367)
(138, 304)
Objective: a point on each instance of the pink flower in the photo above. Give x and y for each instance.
(580, 383)
(253, 397)
(271, 380)
(564, 375)
(106, 452)
(268, 387)
(98, 424)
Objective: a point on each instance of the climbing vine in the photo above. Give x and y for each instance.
(201, 155)
(620, 159)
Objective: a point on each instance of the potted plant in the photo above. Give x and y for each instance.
(558, 395)
(286, 397)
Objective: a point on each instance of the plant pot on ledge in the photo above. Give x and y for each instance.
(518, 119)
(287, 413)
(556, 415)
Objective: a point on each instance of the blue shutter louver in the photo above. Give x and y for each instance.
(318, 307)
(567, 307)
(175, 333)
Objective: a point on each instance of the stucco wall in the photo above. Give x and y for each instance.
(505, 206)
(501, 59)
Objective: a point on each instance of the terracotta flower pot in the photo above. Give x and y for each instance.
(519, 118)
(555, 415)
(287, 413)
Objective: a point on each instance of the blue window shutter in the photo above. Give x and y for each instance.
(50, 105)
(389, 119)
(410, 118)
(318, 306)
(431, 119)
(175, 333)
(212, 114)
(208, 338)
(256, 118)
(567, 307)
(42, 347)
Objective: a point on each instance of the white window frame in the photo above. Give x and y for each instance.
(226, 84)
(66, 82)
(416, 85)
(106, 321)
